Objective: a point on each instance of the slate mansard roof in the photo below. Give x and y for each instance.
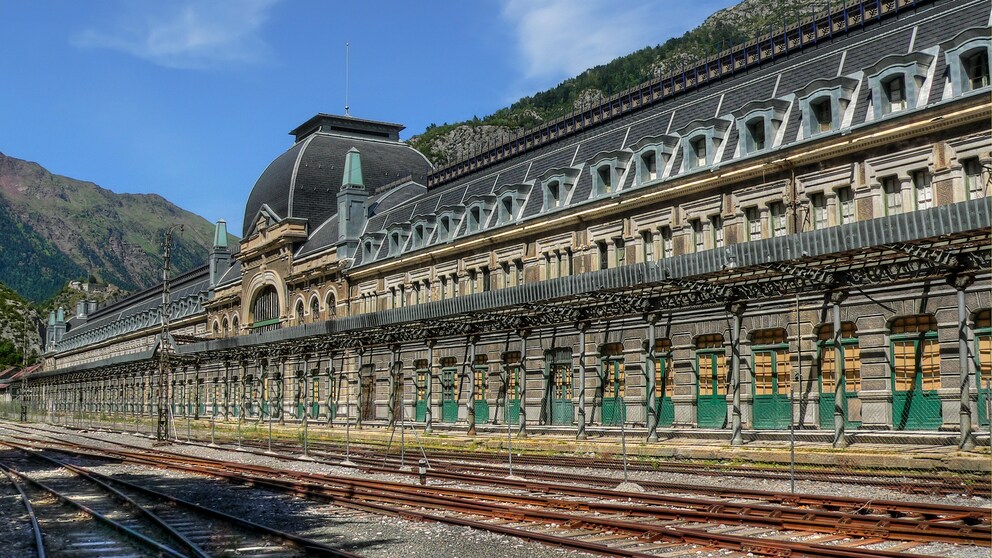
(303, 182)
(844, 55)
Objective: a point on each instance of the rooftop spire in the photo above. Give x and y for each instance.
(352, 169)
(220, 234)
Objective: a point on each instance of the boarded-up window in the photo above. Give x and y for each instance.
(915, 353)
(772, 367)
(828, 358)
(712, 362)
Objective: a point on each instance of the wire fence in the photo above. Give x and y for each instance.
(536, 434)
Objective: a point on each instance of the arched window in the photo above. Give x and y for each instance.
(331, 304)
(234, 325)
(314, 309)
(216, 328)
(265, 310)
(225, 326)
(299, 311)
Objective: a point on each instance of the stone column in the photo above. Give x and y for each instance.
(967, 440)
(582, 327)
(840, 376)
(736, 439)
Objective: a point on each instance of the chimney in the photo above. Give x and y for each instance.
(220, 255)
(81, 309)
(352, 205)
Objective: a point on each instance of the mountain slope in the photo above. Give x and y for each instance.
(449, 143)
(54, 229)
(19, 329)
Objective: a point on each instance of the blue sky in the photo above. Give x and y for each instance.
(191, 100)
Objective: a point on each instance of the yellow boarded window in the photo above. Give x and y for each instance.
(915, 353)
(828, 358)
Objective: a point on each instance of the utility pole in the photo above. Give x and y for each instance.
(24, 365)
(165, 347)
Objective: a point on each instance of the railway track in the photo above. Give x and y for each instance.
(931, 483)
(132, 520)
(639, 525)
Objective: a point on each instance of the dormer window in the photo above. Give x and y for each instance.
(755, 135)
(506, 209)
(394, 244)
(703, 142)
(418, 237)
(697, 153)
(648, 168)
(556, 186)
(896, 82)
(967, 59)
(604, 179)
(822, 115)
(651, 156)
(758, 123)
(607, 169)
(895, 94)
(824, 104)
(474, 219)
(444, 229)
(553, 195)
(368, 251)
(976, 68)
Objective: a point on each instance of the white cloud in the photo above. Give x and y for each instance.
(558, 39)
(187, 34)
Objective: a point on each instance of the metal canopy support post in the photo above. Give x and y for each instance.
(967, 441)
(652, 367)
(840, 374)
(737, 438)
(391, 406)
(582, 327)
(358, 406)
(522, 431)
(470, 404)
(428, 393)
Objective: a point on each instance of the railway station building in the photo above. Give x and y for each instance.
(795, 231)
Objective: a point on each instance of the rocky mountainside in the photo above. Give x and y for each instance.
(449, 143)
(20, 329)
(54, 229)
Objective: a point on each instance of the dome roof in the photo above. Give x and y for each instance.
(303, 182)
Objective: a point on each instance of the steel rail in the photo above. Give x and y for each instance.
(116, 526)
(300, 484)
(894, 508)
(38, 543)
